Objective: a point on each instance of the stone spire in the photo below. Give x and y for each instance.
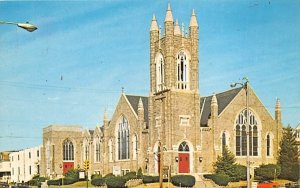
(141, 110)
(278, 111)
(105, 117)
(154, 26)
(177, 28)
(169, 17)
(193, 21)
(214, 107)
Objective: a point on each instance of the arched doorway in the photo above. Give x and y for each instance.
(184, 158)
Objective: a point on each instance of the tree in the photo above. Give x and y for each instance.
(288, 155)
(226, 165)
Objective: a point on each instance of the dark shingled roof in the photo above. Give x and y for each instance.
(134, 102)
(223, 99)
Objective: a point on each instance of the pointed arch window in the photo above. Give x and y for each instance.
(223, 141)
(123, 139)
(241, 134)
(135, 146)
(183, 147)
(182, 71)
(97, 149)
(268, 145)
(110, 150)
(160, 75)
(68, 150)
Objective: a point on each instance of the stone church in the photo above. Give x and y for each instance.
(174, 125)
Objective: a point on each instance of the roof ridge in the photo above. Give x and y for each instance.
(136, 95)
(238, 88)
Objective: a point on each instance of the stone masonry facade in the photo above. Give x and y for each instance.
(190, 130)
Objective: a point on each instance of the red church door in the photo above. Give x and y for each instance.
(68, 166)
(184, 162)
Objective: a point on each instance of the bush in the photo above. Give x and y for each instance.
(96, 176)
(130, 175)
(220, 179)
(183, 180)
(54, 182)
(98, 181)
(238, 173)
(140, 174)
(115, 182)
(109, 175)
(68, 181)
(72, 174)
(36, 180)
(150, 179)
(267, 172)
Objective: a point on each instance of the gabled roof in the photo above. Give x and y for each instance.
(223, 99)
(134, 102)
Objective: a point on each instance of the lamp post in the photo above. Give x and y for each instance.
(244, 84)
(161, 96)
(27, 26)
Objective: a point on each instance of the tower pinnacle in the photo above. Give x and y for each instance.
(193, 21)
(154, 26)
(177, 28)
(169, 17)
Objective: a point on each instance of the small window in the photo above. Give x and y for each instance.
(184, 120)
(29, 155)
(38, 153)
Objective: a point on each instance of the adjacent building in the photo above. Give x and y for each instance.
(175, 120)
(4, 166)
(25, 164)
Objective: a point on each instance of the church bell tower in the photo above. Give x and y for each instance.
(174, 105)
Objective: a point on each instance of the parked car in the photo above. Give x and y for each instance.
(4, 185)
(268, 184)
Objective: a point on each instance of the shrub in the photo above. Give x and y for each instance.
(72, 174)
(183, 180)
(115, 182)
(36, 180)
(267, 172)
(150, 179)
(96, 176)
(109, 175)
(98, 181)
(54, 182)
(130, 175)
(139, 174)
(238, 173)
(69, 180)
(220, 179)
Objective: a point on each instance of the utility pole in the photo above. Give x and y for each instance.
(161, 96)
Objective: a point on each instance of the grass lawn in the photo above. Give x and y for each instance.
(82, 184)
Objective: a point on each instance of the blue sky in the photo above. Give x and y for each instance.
(73, 67)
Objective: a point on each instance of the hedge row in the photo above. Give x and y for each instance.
(219, 179)
(183, 180)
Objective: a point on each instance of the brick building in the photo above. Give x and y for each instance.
(191, 129)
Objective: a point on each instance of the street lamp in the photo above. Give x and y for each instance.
(244, 84)
(27, 26)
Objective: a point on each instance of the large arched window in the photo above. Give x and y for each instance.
(182, 71)
(68, 150)
(97, 149)
(123, 139)
(160, 75)
(241, 134)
